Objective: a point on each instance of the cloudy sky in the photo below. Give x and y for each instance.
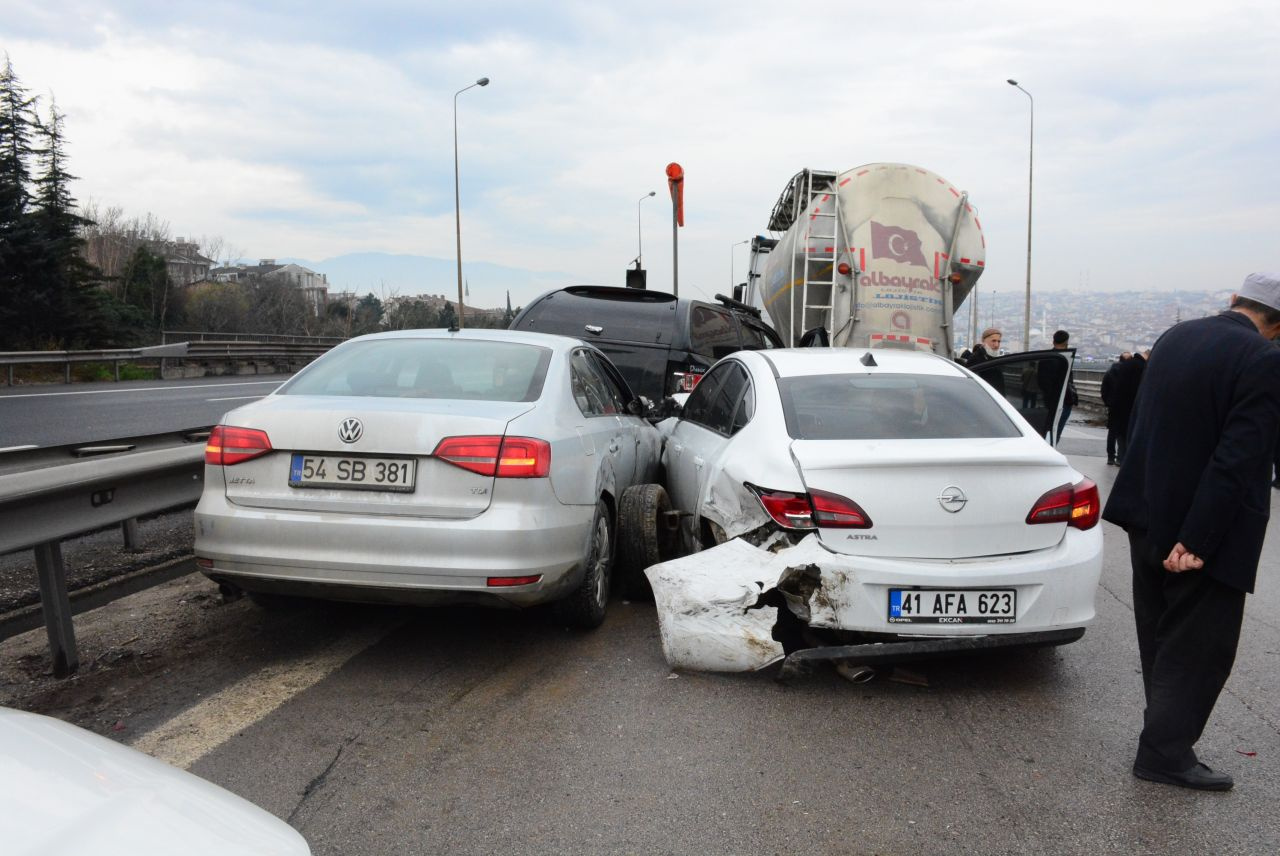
(322, 128)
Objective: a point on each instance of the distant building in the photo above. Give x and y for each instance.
(314, 286)
(183, 260)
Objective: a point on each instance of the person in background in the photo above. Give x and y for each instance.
(988, 348)
(1052, 375)
(1192, 495)
(1125, 378)
(1108, 384)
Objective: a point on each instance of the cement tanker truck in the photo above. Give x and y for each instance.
(878, 256)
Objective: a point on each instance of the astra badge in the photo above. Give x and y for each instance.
(350, 430)
(952, 499)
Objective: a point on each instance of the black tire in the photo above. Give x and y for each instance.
(585, 607)
(645, 537)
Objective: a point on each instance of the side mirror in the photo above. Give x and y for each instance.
(638, 407)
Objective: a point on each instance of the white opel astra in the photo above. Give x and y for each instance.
(886, 496)
(429, 466)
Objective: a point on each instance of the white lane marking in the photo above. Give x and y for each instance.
(143, 389)
(19, 448)
(199, 730)
(235, 398)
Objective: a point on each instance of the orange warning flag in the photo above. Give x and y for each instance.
(675, 184)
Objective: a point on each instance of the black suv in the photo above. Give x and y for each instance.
(661, 343)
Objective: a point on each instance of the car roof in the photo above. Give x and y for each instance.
(545, 340)
(798, 362)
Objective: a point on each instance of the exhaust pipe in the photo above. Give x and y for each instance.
(855, 673)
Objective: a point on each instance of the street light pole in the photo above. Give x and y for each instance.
(1031, 150)
(639, 236)
(732, 247)
(457, 206)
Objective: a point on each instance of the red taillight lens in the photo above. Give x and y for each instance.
(687, 381)
(844, 269)
(229, 445)
(812, 510)
(504, 458)
(503, 582)
(837, 512)
(789, 510)
(1075, 505)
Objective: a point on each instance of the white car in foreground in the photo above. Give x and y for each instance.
(891, 505)
(64, 790)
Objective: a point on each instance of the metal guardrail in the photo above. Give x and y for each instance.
(196, 336)
(116, 356)
(49, 495)
(287, 353)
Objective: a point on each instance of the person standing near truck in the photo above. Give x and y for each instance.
(1193, 497)
(1052, 375)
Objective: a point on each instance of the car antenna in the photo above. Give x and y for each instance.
(868, 360)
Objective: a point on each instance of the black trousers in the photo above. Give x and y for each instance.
(1115, 437)
(1188, 628)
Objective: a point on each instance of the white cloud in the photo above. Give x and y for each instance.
(1155, 126)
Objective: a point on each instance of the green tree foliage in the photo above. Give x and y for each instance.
(448, 316)
(218, 307)
(46, 286)
(144, 284)
(17, 237)
(367, 317)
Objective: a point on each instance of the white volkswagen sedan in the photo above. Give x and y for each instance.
(890, 504)
(429, 466)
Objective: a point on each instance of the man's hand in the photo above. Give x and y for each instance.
(1179, 560)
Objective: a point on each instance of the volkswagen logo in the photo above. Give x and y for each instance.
(952, 499)
(350, 430)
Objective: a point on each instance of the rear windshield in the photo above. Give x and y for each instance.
(891, 407)
(617, 314)
(427, 368)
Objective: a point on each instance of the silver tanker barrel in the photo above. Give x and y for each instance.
(878, 256)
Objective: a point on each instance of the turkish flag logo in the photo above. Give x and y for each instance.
(893, 242)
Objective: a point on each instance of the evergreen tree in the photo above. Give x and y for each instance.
(17, 120)
(59, 278)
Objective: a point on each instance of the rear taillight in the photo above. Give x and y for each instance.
(812, 510)
(1075, 505)
(687, 381)
(229, 445)
(790, 510)
(500, 457)
(832, 511)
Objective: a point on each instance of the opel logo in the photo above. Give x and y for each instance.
(952, 499)
(350, 430)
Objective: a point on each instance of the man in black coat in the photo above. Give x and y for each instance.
(1119, 392)
(1193, 495)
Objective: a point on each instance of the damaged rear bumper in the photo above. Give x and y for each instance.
(737, 607)
(876, 653)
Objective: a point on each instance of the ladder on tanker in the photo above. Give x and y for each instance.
(818, 200)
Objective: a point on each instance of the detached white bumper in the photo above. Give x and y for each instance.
(709, 621)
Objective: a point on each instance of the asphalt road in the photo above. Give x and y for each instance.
(58, 414)
(470, 731)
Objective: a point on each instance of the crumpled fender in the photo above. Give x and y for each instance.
(708, 616)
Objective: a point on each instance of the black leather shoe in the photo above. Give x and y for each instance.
(1199, 778)
(1111, 462)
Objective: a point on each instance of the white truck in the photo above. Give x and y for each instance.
(878, 256)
